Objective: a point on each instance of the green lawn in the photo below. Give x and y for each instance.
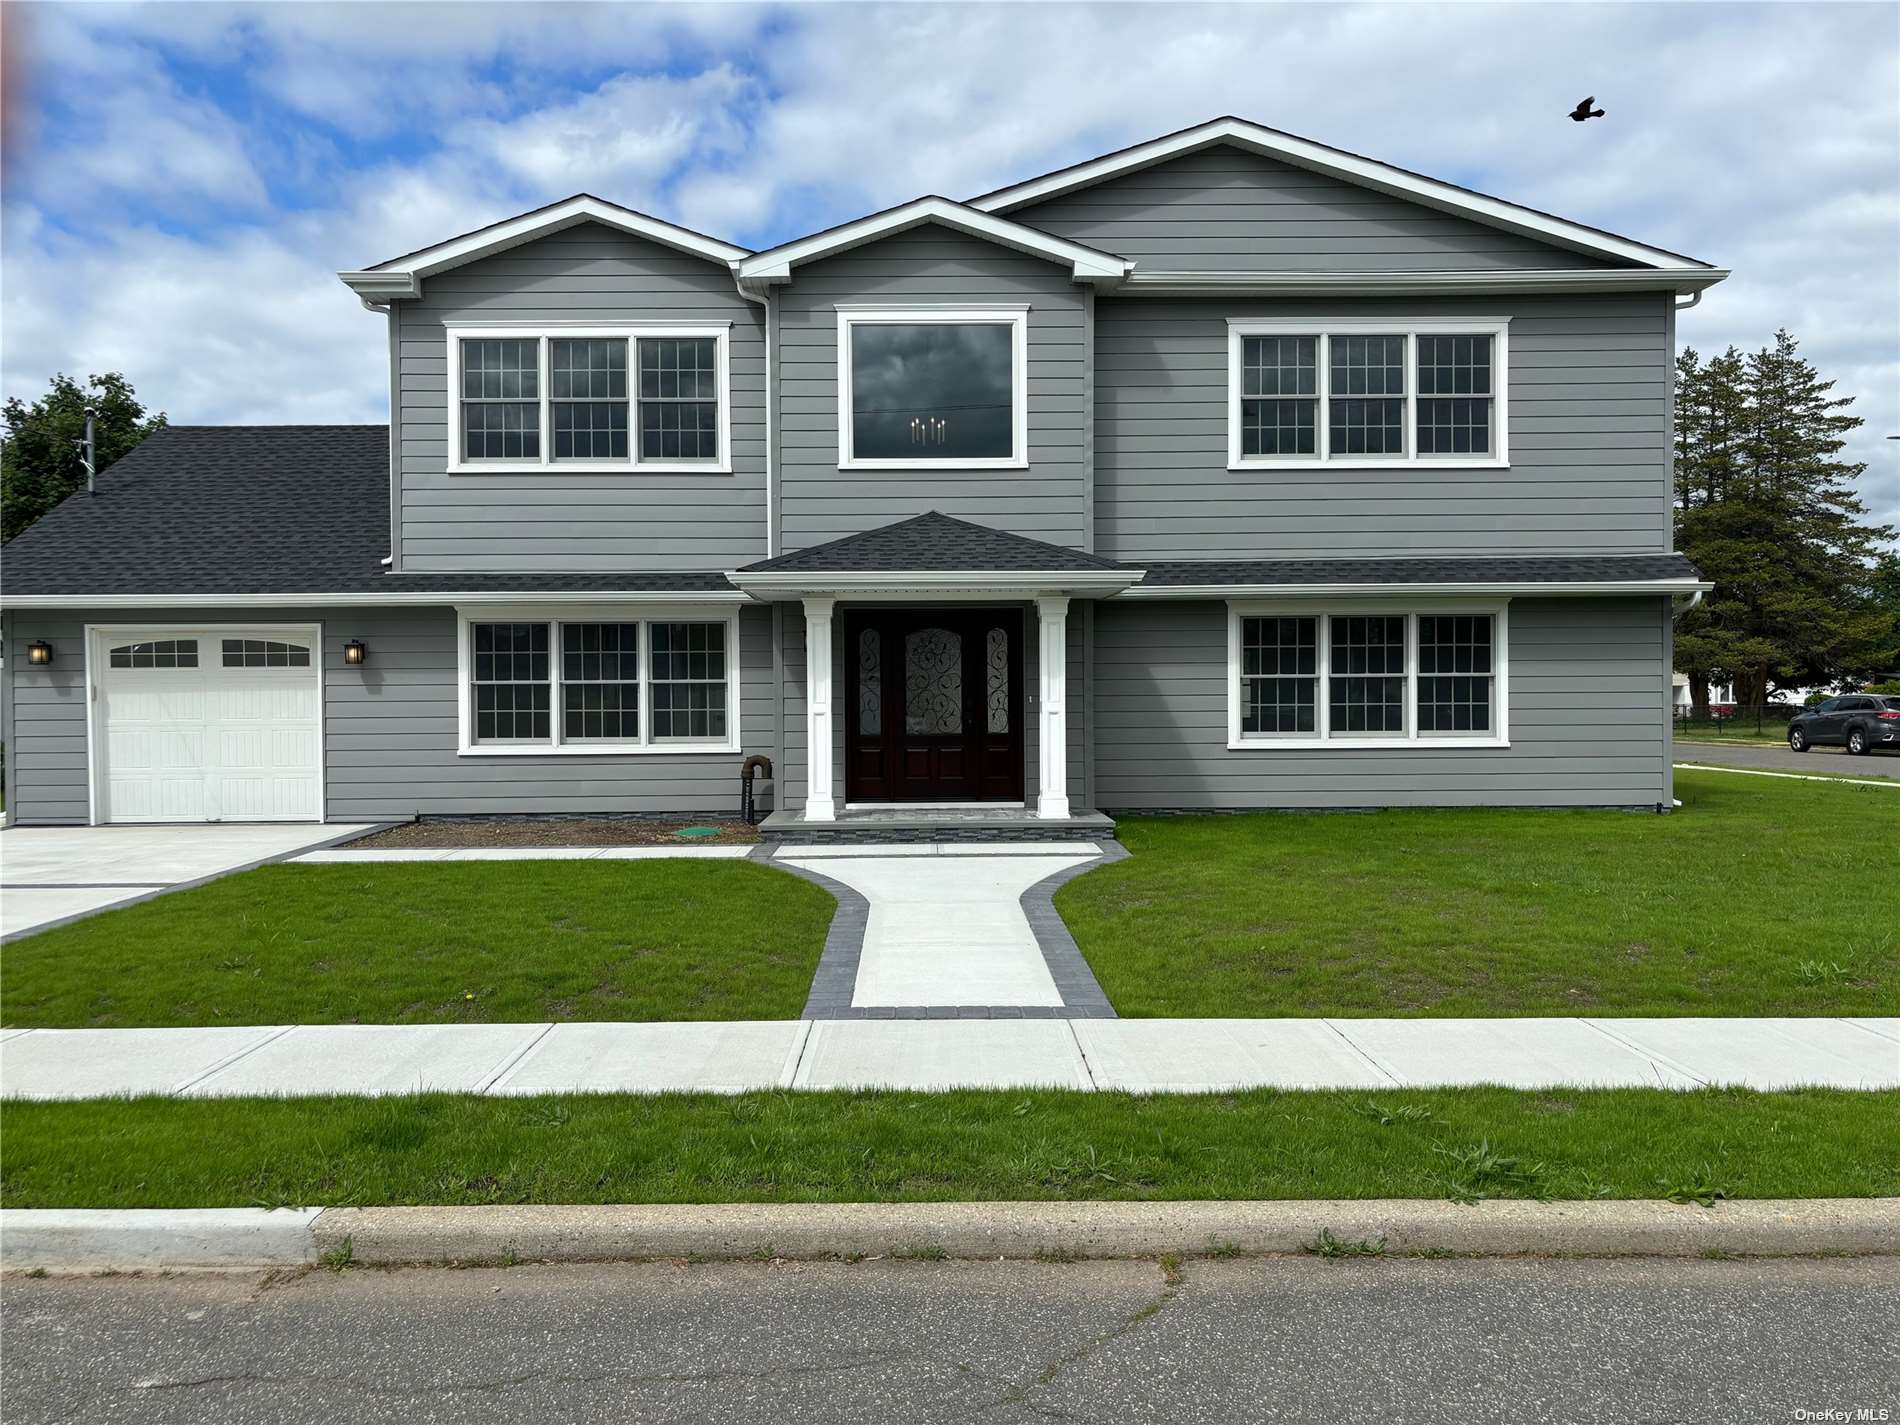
(1746, 735)
(888, 1147)
(1759, 896)
(469, 942)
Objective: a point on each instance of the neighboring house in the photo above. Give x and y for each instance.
(1229, 470)
(1720, 694)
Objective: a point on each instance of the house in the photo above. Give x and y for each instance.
(1229, 470)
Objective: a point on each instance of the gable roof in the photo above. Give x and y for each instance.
(1089, 264)
(402, 276)
(933, 551)
(1342, 164)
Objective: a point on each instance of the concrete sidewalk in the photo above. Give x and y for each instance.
(1140, 1056)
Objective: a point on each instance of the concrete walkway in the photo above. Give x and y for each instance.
(946, 926)
(52, 874)
(1136, 1055)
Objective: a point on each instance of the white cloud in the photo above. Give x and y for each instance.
(1766, 139)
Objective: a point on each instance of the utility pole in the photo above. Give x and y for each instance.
(87, 452)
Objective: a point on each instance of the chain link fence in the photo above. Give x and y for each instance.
(1766, 720)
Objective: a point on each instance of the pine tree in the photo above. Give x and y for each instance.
(41, 464)
(1765, 508)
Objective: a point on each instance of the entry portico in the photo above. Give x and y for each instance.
(917, 640)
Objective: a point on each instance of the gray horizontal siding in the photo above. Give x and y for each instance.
(46, 722)
(1589, 441)
(577, 520)
(389, 727)
(932, 265)
(1588, 719)
(1225, 209)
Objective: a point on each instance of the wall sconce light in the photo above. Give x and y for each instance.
(39, 653)
(354, 652)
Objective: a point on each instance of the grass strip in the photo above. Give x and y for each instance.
(1760, 896)
(493, 942)
(910, 1147)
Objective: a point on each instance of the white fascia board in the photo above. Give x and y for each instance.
(1087, 263)
(1423, 284)
(984, 581)
(1526, 589)
(404, 597)
(514, 231)
(1349, 167)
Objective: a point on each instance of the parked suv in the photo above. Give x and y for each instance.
(1860, 722)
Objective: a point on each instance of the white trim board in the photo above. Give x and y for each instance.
(401, 277)
(1087, 264)
(1348, 167)
(1015, 317)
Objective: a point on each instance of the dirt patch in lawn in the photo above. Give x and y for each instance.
(555, 831)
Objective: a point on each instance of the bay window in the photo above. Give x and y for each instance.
(636, 398)
(1361, 394)
(594, 683)
(1360, 676)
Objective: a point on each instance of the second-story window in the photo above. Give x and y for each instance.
(1307, 393)
(931, 387)
(634, 398)
(588, 380)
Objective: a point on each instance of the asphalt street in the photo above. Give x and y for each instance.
(1831, 761)
(1304, 1339)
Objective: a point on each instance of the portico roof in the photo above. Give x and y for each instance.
(934, 552)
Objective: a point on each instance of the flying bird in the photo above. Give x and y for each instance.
(1584, 111)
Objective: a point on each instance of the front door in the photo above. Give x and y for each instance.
(934, 706)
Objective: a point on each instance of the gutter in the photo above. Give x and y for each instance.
(353, 598)
(1398, 284)
(1522, 588)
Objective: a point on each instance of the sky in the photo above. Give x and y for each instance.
(182, 182)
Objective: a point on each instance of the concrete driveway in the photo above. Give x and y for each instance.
(52, 874)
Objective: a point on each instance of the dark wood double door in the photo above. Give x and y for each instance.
(933, 706)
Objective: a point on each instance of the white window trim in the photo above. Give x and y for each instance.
(1497, 328)
(541, 333)
(1017, 316)
(645, 615)
(1411, 739)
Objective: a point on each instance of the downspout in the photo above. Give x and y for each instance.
(392, 560)
(764, 298)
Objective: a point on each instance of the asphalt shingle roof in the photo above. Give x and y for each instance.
(254, 510)
(933, 543)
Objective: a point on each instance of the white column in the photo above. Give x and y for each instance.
(1052, 663)
(818, 803)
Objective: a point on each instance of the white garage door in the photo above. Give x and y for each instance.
(208, 724)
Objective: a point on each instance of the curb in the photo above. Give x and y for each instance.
(93, 1240)
(76, 1240)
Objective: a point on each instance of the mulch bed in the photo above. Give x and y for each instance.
(554, 831)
